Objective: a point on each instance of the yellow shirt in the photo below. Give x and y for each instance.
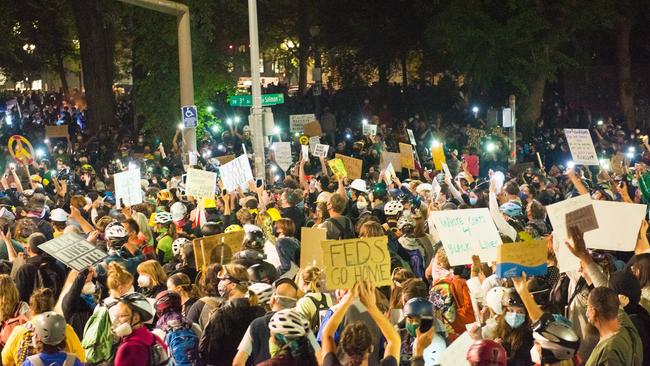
(10, 351)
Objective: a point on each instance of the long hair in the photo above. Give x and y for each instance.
(8, 297)
(513, 338)
(118, 276)
(154, 270)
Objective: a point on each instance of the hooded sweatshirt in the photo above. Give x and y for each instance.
(134, 348)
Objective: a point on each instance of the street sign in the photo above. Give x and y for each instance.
(247, 100)
(190, 116)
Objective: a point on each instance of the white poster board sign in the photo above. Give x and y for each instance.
(73, 251)
(305, 152)
(321, 150)
(411, 136)
(297, 121)
(282, 151)
(456, 352)
(201, 183)
(369, 129)
(619, 225)
(465, 233)
(557, 215)
(313, 141)
(236, 173)
(127, 188)
(581, 146)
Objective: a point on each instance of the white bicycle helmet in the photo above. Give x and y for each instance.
(138, 303)
(162, 218)
(494, 299)
(263, 291)
(115, 230)
(178, 244)
(178, 211)
(289, 323)
(393, 208)
(405, 221)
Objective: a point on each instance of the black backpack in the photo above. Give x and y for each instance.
(47, 277)
(321, 305)
(346, 232)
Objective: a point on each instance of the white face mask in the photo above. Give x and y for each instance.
(535, 356)
(123, 330)
(144, 281)
(89, 288)
(362, 205)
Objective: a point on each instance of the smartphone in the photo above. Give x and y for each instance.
(259, 183)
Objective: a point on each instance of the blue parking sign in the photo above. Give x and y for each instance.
(190, 117)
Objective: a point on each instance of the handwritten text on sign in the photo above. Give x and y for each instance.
(581, 146)
(201, 183)
(127, 188)
(465, 233)
(236, 173)
(353, 260)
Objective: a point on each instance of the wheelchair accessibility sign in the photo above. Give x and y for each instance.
(190, 117)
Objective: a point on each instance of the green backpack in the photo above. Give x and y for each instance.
(98, 340)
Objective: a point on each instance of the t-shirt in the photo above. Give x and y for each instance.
(10, 351)
(165, 247)
(52, 359)
(331, 360)
(623, 348)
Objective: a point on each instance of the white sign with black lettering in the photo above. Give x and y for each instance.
(201, 183)
(236, 173)
(297, 121)
(282, 151)
(127, 188)
(73, 251)
(321, 150)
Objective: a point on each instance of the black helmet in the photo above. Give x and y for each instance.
(556, 337)
(211, 228)
(262, 272)
(253, 240)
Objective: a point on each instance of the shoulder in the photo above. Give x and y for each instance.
(330, 359)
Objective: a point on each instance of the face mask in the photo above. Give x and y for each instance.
(473, 201)
(123, 330)
(361, 205)
(515, 320)
(89, 288)
(535, 356)
(536, 185)
(635, 182)
(144, 281)
(223, 289)
(411, 328)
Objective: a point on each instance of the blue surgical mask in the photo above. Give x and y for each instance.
(515, 320)
(473, 200)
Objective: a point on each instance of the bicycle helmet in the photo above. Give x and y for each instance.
(419, 307)
(50, 327)
(178, 244)
(178, 211)
(393, 208)
(253, 240)
(379, 190)
(167, 301)
(115, 231)
(405, 221)
(138, 303)
(512, 298)
(164, 195)
(162, 218)
(233, 227)
(487, 352)
(263, 291)
(494, 299)
(288, 323)
(556, 337)
(511, 209)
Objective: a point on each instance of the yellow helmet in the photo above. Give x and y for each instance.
(233, 227)
(274, 213)
(164, 195)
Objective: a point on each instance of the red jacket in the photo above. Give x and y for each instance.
(134, 348)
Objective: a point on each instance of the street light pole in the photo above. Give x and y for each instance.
(255, 118)
(513, 155)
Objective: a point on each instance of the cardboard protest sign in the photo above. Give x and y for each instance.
(337, 167)
(209, 249)
(313, 141)
(282, 152)
(465, 233)
(527, 256)
(406, 152)
(201, 183)
(20, 149)
(391, 158)
(411, 137)
(349, 261)
(56, 131)
(352, 166)
(225, 159)
(438, 155)
(304, 149)
(456, 352)
(127, 188)
(297, 121)
(369, 130)
(583, 218)
(619, 163)
(236, 173)
(311, 251)
(312, 129)
(581, 146)
(73, 251)
(321, 150)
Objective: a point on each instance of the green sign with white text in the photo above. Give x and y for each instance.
(247, 100)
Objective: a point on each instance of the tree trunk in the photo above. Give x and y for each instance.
(304, 44)
(303, 55)
(532, 107)
(625, 83)
(405, 70)
(60, 69)
(383, 67)
(97, 48)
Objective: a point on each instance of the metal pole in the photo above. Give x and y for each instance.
(182, 13)
(255, 119)
(513, 154)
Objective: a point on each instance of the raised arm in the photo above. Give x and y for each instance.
(521, 285)
(329, 344)
(369, 299)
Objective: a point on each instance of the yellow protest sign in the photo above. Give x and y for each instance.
(311, 252)
(338, 168)
(352, 166)
(438, 155)
(18, 151)
(406, 155)
(208, 250)
(526, 256)
(352, 260)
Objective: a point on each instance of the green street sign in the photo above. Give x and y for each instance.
(247, 100)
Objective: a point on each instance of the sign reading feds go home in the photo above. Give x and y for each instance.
(352, 260)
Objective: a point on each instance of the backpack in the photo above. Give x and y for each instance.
(346, 232)
(183, 346)
(69, 360)
(158, 355)
(450, 305)
(47, 277)
(321, 306)
(9, 325)
(211, 305)
(97, 340)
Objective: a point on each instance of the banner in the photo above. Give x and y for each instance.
(465, 233)
(56, 131)
(321, 150)
(311, 251)
(406, 152)
(282, 152)
(349, 261)
(527, 256)
(236, 173)
(201, 183)
(391, 158)
(438, 155)
(297, 121)
(581, 146)
(73, 251)
(127, 188)
(369, 129)
(312, 129)
(337, 167)
(209, 249)
(352, 166)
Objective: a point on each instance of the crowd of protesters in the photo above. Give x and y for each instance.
(149, 303)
